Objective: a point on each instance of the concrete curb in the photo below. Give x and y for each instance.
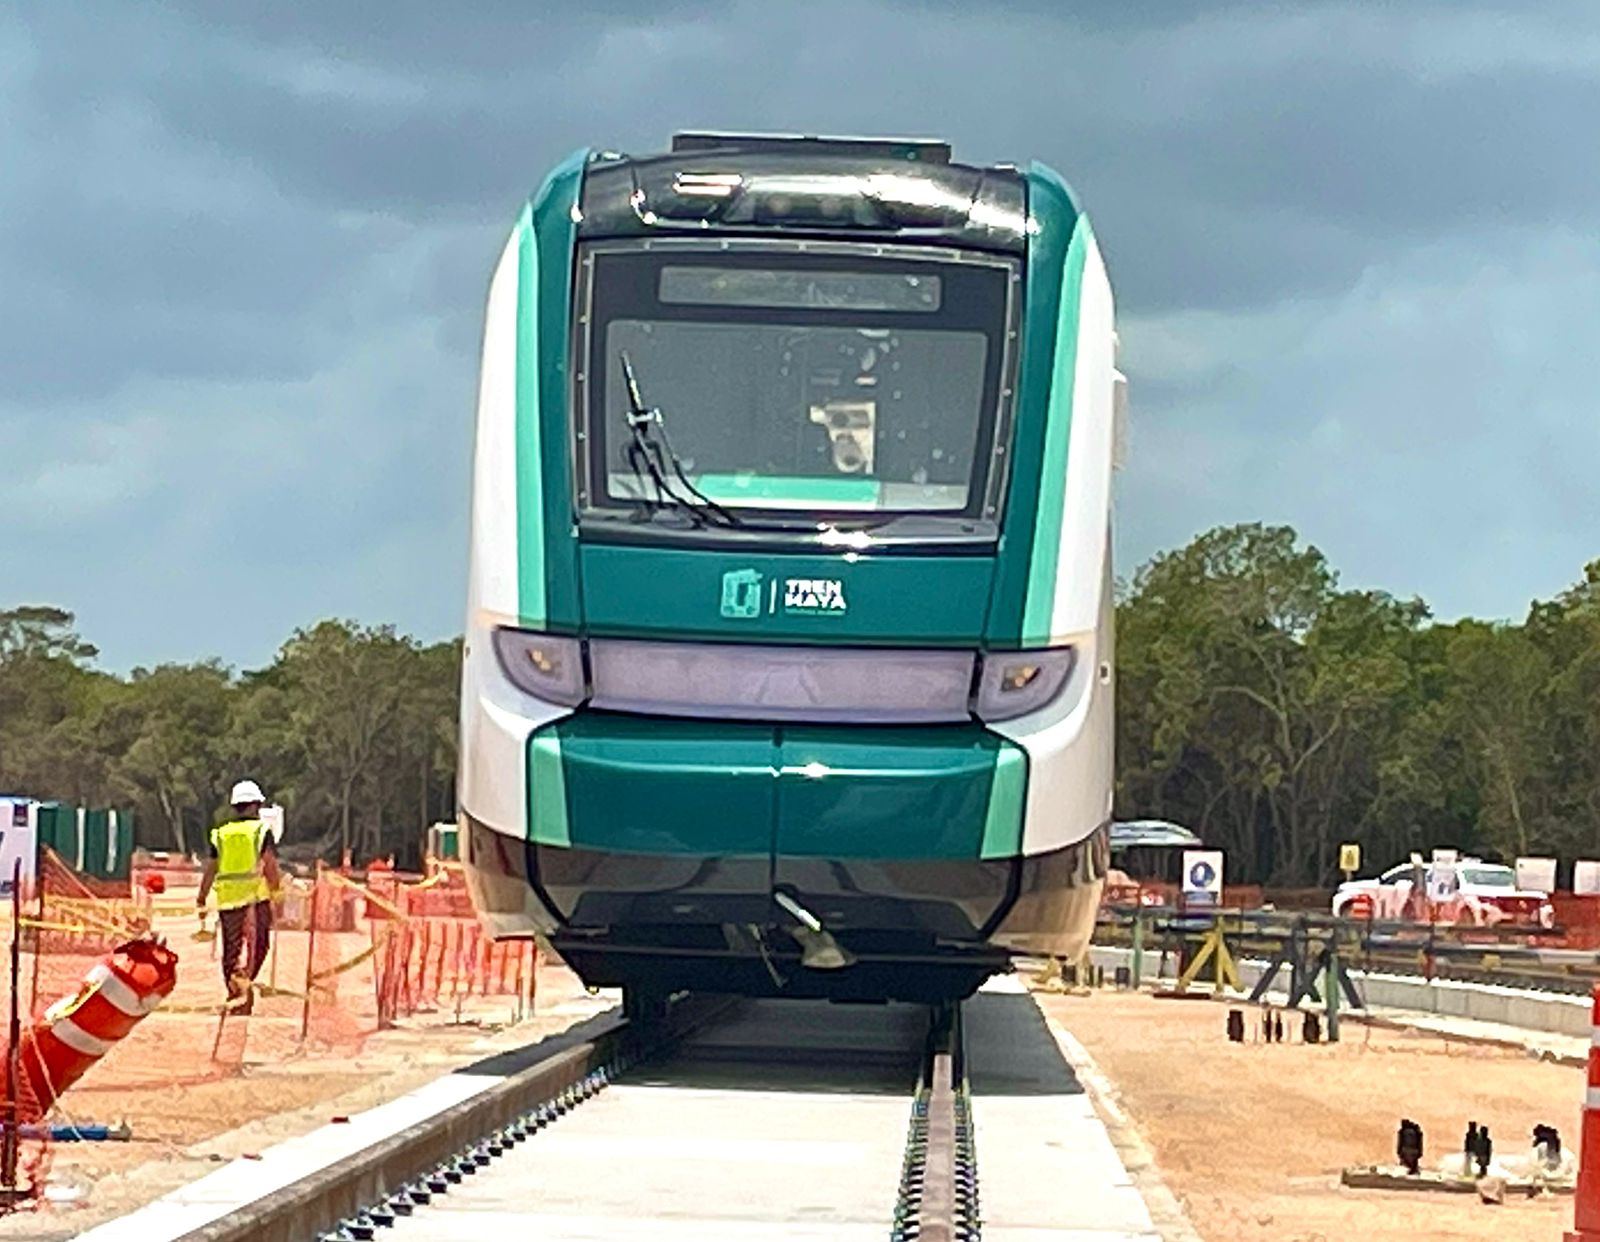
(1166, 1213)
(1551, 1013)
(1387, 1023)
(319, 1202)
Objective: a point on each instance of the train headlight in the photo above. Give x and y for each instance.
(1014, 683)
(546, 666)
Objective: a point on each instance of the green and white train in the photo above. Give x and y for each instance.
(789, 639)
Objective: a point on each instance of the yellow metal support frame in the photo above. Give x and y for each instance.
(1213, 949)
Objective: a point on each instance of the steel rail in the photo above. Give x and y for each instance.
(939, 1186)
(937, 1215)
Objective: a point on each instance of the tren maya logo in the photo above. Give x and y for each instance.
(741, 593)
(748, 593)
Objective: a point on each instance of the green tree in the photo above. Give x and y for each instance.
(346, 692)
(1256, 697)
(50, 698)
(173, 768)
(39, 630)
(1495, 704)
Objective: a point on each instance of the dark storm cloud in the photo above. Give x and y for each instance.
(491, 37)
(107, 290)
(246, 255)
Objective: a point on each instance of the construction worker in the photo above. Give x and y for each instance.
(243, 867)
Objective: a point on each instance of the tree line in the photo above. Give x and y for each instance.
(1258, 702)
(1279, 715)
(351, 727)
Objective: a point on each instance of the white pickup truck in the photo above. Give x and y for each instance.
(1469, 891)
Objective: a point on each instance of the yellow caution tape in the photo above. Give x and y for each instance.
(232, 1003)
(352, 963)
(77, 928)
(368, 894)
(115, 927)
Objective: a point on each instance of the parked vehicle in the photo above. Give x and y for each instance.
(1468, 891)
(1147, 861)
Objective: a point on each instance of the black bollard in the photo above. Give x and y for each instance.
(1485, 1152)
(1277, 1028)
(1236, 1026)
(1547, 1146)
(1408, 1146)
(1311, 1029)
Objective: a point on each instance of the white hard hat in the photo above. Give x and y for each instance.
(246, 791)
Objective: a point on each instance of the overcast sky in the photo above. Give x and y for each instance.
(1356, 251)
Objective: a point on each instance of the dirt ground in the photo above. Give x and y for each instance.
(1251, 1137)
(191, 1110)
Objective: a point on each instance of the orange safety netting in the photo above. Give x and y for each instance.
(398, 946)
(437, 964)
(348, 957)
(75, 921)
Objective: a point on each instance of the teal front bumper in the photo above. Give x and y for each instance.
(635, 785)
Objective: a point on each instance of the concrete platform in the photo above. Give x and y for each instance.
(244, 1183)
(1047, 1170)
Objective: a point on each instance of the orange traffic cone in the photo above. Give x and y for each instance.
(78, 1030)
(1586, 1226)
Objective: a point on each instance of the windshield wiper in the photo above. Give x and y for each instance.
(650, 452)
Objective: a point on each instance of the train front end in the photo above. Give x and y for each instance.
(789, 651)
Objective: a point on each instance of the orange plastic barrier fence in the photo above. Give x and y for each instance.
(435, 964)
(421, 951)
(347, 959)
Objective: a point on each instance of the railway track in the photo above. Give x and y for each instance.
(1567, 972)
(789, 1120)
(737, 1130)
(939, 1185)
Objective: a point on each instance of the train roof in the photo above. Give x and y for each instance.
(863, 189)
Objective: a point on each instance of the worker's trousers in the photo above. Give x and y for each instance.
(246, 930)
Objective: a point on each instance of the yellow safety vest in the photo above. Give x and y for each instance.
(239, 880)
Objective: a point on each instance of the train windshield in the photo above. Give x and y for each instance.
(793, 386)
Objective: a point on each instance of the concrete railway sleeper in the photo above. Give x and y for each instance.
(726, 1120)
(649, 1026)
(455, 1169)
(357, 1196)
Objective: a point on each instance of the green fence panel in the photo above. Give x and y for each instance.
(96, 838)
(122, 856)
(58, 826)
(106, 848)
